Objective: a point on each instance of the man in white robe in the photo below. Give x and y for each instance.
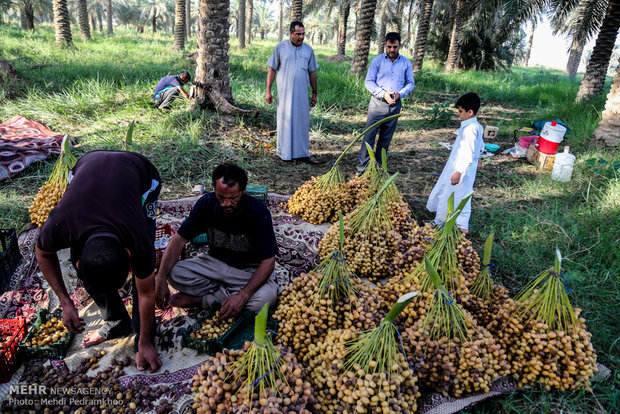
(459, 174)
(295, 65)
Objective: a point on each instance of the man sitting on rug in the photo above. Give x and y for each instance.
(168, 89)
(238, 271)
(107, 218)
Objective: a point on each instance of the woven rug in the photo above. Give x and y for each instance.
(24, 141)
(297, 242)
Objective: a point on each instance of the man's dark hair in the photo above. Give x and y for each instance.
(185, 75)
(469, 101)
(103, 259)
(294, 24)
(231, 174)
(392, 37)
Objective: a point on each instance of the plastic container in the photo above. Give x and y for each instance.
(525, 142)
(163, 235)
(563, 166)
(57, 350)
(550, 138)
(14, 331)
(492, 147)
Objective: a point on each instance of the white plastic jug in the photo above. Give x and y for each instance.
(563, 166)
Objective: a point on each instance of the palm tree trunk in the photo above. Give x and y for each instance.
(248, 22)
(241, 24)
(83, 17)
(6, 70)
(409, 31)
(93, 22)
(345, 8)
(608, 131)
(362, 39)
(100, 19)
(422, 35)
(62, 23)
(281, 21)
(212, 69)
(188, 19)
(400, 8)
(154, 21)
(179, 25)
(594, 79)
(530, 42)
(296, 11)
(381, 34)
(574, 57)
(456, 38)
(108, 15)
(28, 16)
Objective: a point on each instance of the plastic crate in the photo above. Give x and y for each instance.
(165, 230)
(258, 191)
(57, 350)
(214, 345)
(10, 256)
(15, 330)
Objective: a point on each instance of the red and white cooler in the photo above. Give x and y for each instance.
(550, 138)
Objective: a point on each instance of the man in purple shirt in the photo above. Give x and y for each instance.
(389, 79)
(168, 89)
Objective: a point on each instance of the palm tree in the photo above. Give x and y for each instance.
(362, 40)
(281, 21)
(530, 42)
(179, 25)
(108, 13)
(582, 22)
(608, 131)
(83, 17)
(456, 38)
(212, 68)
(594, 78)
(249, 9)
(62, 23)
(188, 19)
(241, 23)
(264, 18)
(344, 9)
(422, 35)
(296, 10)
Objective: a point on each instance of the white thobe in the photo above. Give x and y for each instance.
(463, 158)
(293, 64)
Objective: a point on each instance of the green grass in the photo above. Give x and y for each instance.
(96, 90)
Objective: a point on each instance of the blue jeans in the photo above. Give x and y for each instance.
(377, 110)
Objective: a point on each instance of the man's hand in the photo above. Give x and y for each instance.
(71, 319)
(313, 100)
(147, 357)
(268, 97)
(233, 305)
(456, 178)
(162, 293)
(387, 96)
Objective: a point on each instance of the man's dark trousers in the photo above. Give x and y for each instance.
(377, 110)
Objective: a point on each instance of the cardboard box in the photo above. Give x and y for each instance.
(490, 132)
(540, 160)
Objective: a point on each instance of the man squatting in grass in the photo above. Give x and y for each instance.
(107, 218)
(238, 271)
(459, 174)
(389, 80)
(168, 89)
(295, 65)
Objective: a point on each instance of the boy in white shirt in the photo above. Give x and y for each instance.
(459, 174)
